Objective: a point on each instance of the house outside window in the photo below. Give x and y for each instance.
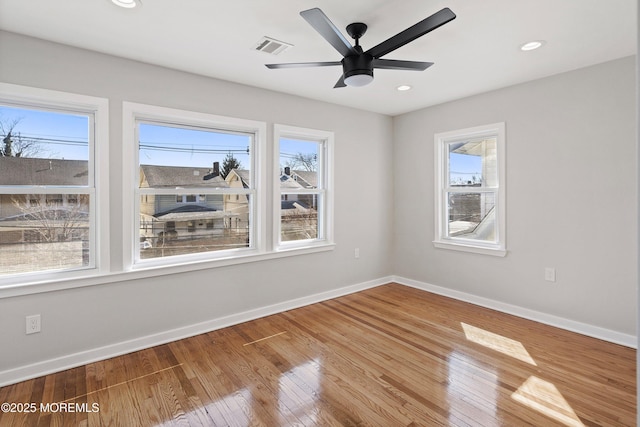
(190, 198)
(303, 187)
(184, 208)
(470, 190)
(51, 188)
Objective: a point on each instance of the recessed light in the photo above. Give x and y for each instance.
(532, 45)
(403, 88)
(129, 4)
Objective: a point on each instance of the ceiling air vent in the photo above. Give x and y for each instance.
(272, 46)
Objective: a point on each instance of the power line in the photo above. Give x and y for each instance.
(53, 141)
(465, 173)
(152, 146)
(145, 146)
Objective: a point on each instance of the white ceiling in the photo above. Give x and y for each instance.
(475, 53)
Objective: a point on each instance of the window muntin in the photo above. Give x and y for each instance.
(302, 187)
(470, 193)
(47, 186)
(209, 213)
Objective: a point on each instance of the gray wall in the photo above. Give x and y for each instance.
(571, 203)
(571, 196)
(81, 319)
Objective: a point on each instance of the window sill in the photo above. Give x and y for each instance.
(462, 247)
(302, 245)
(91, 278)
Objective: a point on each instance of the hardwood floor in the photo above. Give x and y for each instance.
(388, 356)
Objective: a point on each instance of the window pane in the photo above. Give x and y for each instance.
(298, 217)
(43, 148)
(298, 164)
(472, 216)
(473, 163)
(186, 157)
(43, 232)
(219, 223)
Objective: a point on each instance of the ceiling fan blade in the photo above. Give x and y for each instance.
(340, 82)
(319, 21)
(418, 30)
(392, 64)
(303, 64)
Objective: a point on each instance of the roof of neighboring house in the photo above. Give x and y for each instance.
(177, 176)
(243, 174)
(34, 171)
(307, 179)
(286, 181)
(299, 179)
(191, 213)
(293, 204)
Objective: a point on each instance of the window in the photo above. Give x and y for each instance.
(193, 158)
(470, 205)
(188, 198)
(303, 187)
(195, 196)
(51, 188)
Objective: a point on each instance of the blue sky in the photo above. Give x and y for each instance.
(58, 135)
(170, 146)
(463, 168)
(65, 136)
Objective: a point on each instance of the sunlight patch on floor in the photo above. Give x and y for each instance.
(498, 343)
(300, 389)
(545, 398)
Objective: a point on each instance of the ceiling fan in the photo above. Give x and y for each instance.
(358, 65)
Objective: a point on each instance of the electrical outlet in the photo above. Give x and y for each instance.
(550, 274)
(356, 253)
(33, 324)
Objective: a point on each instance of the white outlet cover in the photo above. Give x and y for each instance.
(33, 324)
(550, 274)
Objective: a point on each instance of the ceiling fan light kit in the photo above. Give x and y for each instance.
(358, 65)
(359, 78)
(357, 70)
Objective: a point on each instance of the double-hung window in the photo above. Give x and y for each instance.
(53, 190)
(303, 187)
(470, 192)
(195, 194)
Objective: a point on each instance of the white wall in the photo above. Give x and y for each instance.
(88, 318)
(571, 197)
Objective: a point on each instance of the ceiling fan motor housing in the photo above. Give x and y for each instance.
(357, 64)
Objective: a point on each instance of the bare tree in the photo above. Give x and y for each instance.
(14, 144)
(305, 161)
(53, 223)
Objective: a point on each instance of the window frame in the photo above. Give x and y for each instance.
(324, 190)
(97, 188)
(442, 189)
(134, 113)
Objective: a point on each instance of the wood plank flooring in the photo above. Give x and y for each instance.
(388, 356)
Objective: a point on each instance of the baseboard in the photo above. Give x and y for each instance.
(547, 319)
(22, 373)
